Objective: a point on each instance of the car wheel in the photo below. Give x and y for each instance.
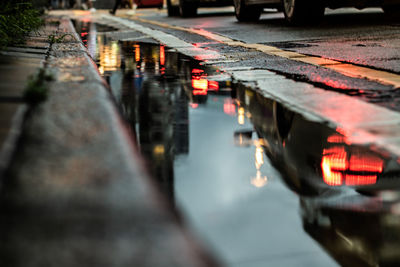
(246, 13)
(172, 10)
(187, 8)
(303, 11)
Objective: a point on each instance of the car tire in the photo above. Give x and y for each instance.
(172, 10)
(246, 13)
(187, 9)
(303, 11)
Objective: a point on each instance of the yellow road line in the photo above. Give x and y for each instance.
(347, 69)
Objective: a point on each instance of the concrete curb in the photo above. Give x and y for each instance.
(76, 192)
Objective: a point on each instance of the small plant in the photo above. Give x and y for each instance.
(52, 38)
(37, 90)
(17, 19)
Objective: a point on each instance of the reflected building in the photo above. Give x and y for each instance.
(156, 132)
(155, 105)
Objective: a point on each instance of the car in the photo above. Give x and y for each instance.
(303, 11)
(188, 8)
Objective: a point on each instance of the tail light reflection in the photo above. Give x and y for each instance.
(162, 55)
(201, 85)
(346, 165)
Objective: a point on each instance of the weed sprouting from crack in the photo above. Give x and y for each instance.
(37, 89)
(52, 38)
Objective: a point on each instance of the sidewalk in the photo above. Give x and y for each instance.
(16, 65)
(75, 192)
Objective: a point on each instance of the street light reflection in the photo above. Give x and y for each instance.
(241, 115)
(244, 139)
(159, 150)
(259, 180)
(110, 58)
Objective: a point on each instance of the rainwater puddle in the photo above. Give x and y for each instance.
(208, 151)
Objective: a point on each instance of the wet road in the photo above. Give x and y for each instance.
(352, 52)
(364, 37)
(260, 185)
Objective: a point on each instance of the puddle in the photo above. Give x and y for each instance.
(89, 33)
(332, 202)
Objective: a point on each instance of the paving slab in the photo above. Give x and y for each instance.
(7, 111)
(27, 49)
(22, 54)
(20, 61)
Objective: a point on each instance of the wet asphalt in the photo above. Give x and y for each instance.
(364, 38)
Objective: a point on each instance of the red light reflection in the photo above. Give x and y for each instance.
(213, 85)
(365, 163)
(360, 179)
(199, 83)
(331, 83)
(229, 107)
(137, 53)
(162, 55)
(197, 71)
(347, 165)
(333, 160)
(336, 138)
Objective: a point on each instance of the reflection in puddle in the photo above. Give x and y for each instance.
(356, 229)
(316, 157)
(259, 180)
(184, 118)
(244, 139)
(110, 59)
(345, 164)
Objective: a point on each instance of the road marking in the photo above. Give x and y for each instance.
(170, 40)
(346, 69)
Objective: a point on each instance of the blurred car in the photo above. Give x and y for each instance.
(300, 11)
(188, 8)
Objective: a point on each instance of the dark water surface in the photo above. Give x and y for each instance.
(216, 152)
